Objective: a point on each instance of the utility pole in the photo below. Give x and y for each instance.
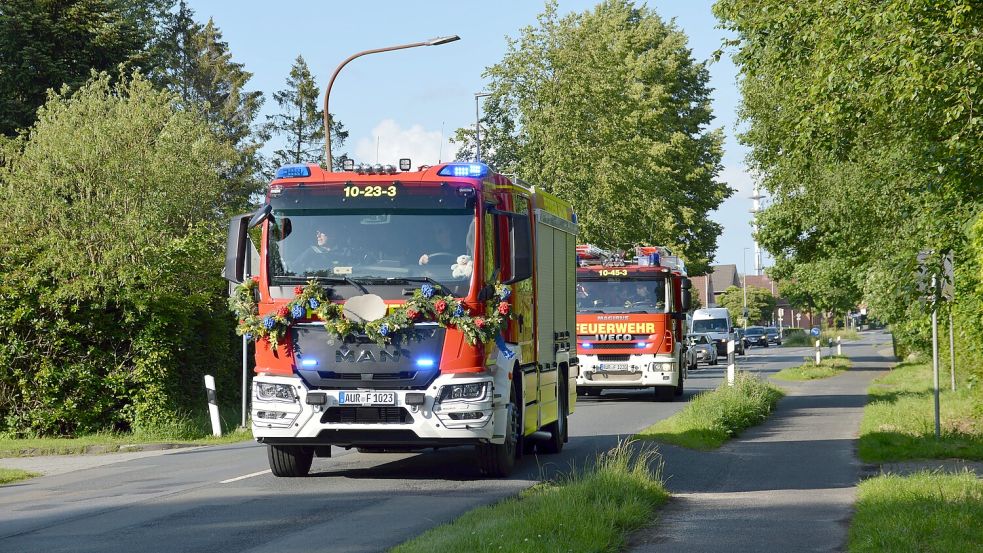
(744, 286)
(477, 125)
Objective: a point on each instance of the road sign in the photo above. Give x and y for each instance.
(814, 331)
(798, 317)
(948, 278)
(781, 312)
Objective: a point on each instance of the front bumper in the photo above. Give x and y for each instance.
(430, 424)
(642, 371)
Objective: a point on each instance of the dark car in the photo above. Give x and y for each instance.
(757, 336)
(741, 344)
(774, 336)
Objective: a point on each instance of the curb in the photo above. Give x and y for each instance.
(103, 448)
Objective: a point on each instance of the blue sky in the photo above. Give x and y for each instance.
(407, 103)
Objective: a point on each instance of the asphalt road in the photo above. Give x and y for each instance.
(223, 498)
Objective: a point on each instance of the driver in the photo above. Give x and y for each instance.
(319, 255)
(444, 244)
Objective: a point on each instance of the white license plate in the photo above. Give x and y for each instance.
(615, 367)
(367, 398)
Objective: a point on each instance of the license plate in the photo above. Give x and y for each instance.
(615, 367)
(367, 398)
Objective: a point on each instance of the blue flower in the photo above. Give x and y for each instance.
(384, 329)
(269, 323)
(248, 335)
(427, 290)
(506, 293)
(313, 303)
(298, 311)
(459, 310)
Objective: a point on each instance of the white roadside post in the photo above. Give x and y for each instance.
(212, 404)
(730, 362)
(819, 354)
(839, 345)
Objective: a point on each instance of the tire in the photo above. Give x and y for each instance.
(664, 393)
(678, 389)
(557, 428)
(498, 460)
(289, 461)
(715, 361)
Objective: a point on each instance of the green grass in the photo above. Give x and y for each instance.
(711, 418)
(899, 420)
(591, 510)
(844, 333)
(105, 443)
(829, 366)
(798, 339)
(13, 475)
(919, 513)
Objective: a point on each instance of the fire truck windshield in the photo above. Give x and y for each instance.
(368, 246)
(621, 296)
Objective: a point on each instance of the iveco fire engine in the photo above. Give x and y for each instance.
(375, 235)
(631, 318)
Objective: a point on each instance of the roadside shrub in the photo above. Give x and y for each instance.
(111, 303)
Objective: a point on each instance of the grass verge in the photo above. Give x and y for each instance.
(797, 340)
(899, 419)
(711, 418)
(13, 475)
(591, 510)
(922, 512)
(106, 443)
(829, 366)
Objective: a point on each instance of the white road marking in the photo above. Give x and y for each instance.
(243, 477)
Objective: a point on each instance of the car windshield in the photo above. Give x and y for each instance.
(696, 339)
(373, 245)
(755, 331)
(710, 325)
(772, 330)
(621, 295)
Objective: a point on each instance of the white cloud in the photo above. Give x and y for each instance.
(737, 178)
(395, 142)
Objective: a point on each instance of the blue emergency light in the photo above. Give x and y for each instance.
(308, 362)
(471, 170)
(424, 362)
(293, 171)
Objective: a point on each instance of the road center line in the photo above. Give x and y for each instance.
(243, 477)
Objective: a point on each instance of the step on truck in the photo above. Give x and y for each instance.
(397, 310)
(631, 319)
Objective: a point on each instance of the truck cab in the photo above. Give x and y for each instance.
(398, 309)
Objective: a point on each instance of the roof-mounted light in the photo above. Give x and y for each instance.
(471, 170)
(405, 164)
(293, 171)
(390, 169)
(348, 164)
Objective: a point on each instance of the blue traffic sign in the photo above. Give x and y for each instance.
(814, 331)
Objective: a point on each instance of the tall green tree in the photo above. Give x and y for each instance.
(760, 304)
(300, 122)
(111, 303)
(197, 65)
(608, 109)
(45, 44)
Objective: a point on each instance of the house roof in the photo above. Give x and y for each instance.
(723, 277)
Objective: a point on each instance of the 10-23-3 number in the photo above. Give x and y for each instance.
(370, 191)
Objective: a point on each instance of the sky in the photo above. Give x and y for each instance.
(407, 103)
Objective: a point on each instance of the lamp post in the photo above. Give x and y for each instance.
(745, 288)
(477, 125)
(327, 91)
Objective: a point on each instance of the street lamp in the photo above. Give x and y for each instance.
(745, 288)
(327, 91)
(477, 125)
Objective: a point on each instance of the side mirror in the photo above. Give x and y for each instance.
(235, 248)
(687, 298)
(260, 215)
(520, 247)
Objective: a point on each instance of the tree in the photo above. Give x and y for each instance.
(198, 67)
(609, 110)
(301, 121)
(112, 306)
(45, 44)
(760, 304)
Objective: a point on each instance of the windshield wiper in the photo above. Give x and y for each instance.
(332, 279)
(445, 290)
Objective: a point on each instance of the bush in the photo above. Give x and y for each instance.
(111, 302)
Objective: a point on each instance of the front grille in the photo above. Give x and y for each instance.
(405, 375)
(611, 346)
(367, 415)
(613, 357)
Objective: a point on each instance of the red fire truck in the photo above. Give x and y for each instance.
(631, 318)
(400, 310)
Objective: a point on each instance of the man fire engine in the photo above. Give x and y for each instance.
(631, 317)
(399, 309)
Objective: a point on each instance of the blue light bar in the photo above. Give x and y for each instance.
(471, 170)
(308, 362)
(424, 362)
(586, 345)
(293, 171)
(641, 345)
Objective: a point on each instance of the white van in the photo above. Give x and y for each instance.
(715, 322)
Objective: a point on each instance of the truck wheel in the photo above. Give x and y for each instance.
(558, 428)
(677, 390)
(289, 460)
(499, 459)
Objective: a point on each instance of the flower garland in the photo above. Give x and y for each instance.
(312, 302)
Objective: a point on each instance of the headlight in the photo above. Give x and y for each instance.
(275, 392)
(463, 392)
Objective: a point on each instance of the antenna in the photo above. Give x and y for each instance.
(377, 139)
(440, 152)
